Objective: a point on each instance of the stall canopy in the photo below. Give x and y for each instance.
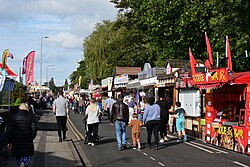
(241, 78)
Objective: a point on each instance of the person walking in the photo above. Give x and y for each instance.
(131, 108)
(75, 105)
(92, 113)
(135, 123)
(120, 117)
(164, 115)
(180, 122)
(61, 110)
(110, 104)
(81, 105)
(151, 119)
(21, 131)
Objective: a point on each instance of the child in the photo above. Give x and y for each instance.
(135, 124)
(180, 121)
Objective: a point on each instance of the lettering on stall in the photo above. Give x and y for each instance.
(198, 77)
(230, 131)
(227, 97)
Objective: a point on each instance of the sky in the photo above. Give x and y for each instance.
(25, 24)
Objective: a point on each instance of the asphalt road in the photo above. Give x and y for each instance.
(172, 154)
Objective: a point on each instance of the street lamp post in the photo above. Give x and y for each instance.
(41, 60)
(47, 67)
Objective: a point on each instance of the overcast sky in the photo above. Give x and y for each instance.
(66, 22)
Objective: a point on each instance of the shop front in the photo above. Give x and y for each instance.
(227, 108)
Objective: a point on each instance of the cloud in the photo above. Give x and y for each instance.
(66, 22)
(66, 40)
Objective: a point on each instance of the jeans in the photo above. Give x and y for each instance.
(120, 128)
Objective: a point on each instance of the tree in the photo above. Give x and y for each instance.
(173, 26)
(19, 91)
(52, 85)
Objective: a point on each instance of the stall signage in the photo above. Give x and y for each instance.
(230, 131)
(213, 76)
(230, 137)
(121, 79)
(106, 82)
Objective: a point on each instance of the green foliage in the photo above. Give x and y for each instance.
(19, 92)
(173, 26)
(52, 85)
(18, 101)
(156, 30)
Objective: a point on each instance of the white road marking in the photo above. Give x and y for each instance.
(152, 158)
(161, 164)
(199, 147)
(209, 147)
(240, 164)
(171, 136)
(145, 153)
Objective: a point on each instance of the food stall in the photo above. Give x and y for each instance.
(227, 108)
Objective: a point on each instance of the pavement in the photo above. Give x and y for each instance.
(48, 150)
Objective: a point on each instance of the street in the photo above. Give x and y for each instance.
(171, 153)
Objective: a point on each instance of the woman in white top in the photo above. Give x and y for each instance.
(92, 113)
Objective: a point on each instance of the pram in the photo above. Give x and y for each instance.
(3, 139)
(86, 139)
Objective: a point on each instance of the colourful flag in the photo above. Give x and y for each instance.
(4, 57)
(10, 55)
(209, 51)
(228, 55)
(30, 67)
(24, 65)
(192, 61)
(207, 64)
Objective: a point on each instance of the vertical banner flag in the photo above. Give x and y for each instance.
(209, 51)
(24, 65)
(228, 55)
(192, 61)
(30, 67)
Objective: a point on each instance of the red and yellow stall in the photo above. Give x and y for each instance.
(227, 108)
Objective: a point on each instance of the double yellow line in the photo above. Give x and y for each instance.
(77, 134)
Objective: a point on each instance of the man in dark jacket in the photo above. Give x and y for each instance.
(164, 118)
(120, 117)
(21, 131)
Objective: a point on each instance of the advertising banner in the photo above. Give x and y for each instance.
(230, 137)
(30, 67)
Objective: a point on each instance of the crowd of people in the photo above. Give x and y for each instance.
(155, 118)
(120, 112)
(123, 112)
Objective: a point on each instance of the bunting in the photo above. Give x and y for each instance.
(228, 55)
(209, 51)
(30, 67)
(192, 61)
